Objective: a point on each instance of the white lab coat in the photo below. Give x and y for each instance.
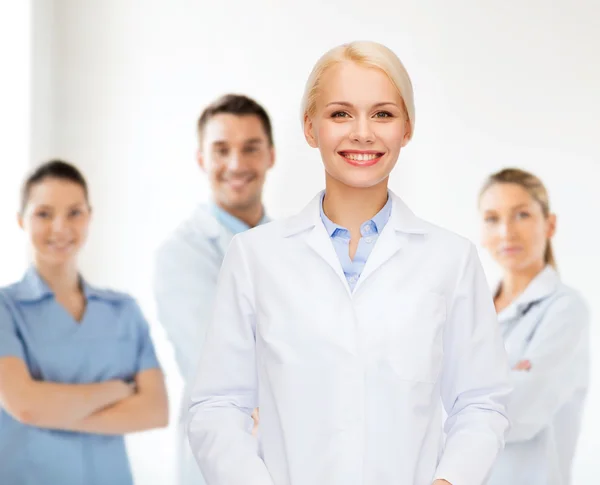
(547, 325)
(185, 280)
(350, 384)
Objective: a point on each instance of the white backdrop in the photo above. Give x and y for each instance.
(15, 129)
(121, 83)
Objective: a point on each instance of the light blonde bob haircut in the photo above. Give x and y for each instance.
(368, 54)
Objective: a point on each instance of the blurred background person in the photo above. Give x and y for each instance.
(77, 366)
(235, 151)
(545, 327)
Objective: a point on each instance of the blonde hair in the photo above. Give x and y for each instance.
(366, 53)
(534, 187)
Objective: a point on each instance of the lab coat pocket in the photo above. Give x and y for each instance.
(413, 337)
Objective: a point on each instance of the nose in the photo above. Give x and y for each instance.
(60, 224)
(506, 229)
(234, 162)
(362, 131)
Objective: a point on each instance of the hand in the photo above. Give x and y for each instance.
(255, 418)
(523, 365)
(123, 389)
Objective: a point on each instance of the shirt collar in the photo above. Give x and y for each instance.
(544, 284)
(401, 218)
(32, 287)
(232, 223)
(379, 220)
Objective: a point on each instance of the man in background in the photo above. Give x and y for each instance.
(235, 151)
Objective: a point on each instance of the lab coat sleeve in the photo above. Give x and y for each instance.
(475, 381)
(558, 353)
(224, 393)
(184, 286)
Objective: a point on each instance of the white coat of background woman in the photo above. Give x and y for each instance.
(545, 328)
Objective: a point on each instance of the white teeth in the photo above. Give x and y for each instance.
(361, 157)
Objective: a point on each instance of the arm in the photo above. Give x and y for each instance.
(474, 381)
(225, 390)
(149, 407)
(558, 355)
(45, 404)
(146, 409)
(185, 279)
(52, 405)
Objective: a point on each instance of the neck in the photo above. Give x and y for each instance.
(350, 207)
(62, 279)
(515, 282)
(250, 215)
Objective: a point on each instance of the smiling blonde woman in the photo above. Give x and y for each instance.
(350, 323)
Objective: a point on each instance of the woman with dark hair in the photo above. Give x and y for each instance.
(77, 366)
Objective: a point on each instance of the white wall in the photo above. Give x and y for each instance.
(497, 83)
(15, 49)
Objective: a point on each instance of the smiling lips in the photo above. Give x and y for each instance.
(238, 182)
(361, 158)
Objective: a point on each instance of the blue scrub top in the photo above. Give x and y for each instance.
(112, 341)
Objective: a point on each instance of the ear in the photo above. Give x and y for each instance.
(309, 132)
(272, 156)
(407, 133)
(20, 220)
(200, 159)
(551, 222)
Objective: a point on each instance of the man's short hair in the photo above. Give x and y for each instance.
(239, 105)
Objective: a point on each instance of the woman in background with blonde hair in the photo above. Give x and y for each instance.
(350, 323)
(545, 328)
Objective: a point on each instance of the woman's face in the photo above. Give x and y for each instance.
(514, 228)
(56, 219)
(359, 125)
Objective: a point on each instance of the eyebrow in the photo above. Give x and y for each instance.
(519, 206)
(249, 141)
(350, 105)
(50, 207)
(253, 141)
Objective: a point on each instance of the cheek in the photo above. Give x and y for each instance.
(38, 230)
(488, 237)
(391, 134)
(331, 134)
(82, 227)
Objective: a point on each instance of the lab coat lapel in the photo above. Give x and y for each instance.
(320, 242)
(393, 238)
(308, 225)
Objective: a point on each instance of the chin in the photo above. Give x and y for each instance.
(365, 181)
(58, 259)
(514, 264)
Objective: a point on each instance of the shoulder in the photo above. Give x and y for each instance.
(268, 238)
(196, 234)
(448, 240)
(9, 293)
(569, 301)
(111, 297)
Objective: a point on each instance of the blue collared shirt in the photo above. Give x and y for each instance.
(340, 236)
(111, 341)
(231, 222)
